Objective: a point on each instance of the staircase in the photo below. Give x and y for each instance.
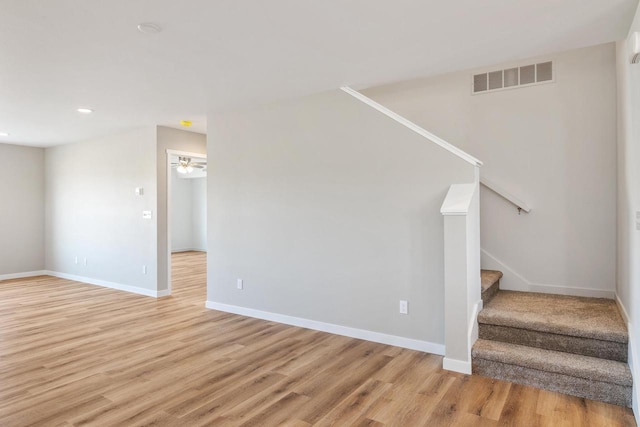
(567, 344)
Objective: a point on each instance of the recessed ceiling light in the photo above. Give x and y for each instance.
(149, 28)
(4, 134)
(186, 123)
(84, 110)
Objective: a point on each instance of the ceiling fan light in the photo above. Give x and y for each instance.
(189, 169)
(181, 169)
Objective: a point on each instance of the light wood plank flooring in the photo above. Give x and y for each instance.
(189, 277)
(77, 354)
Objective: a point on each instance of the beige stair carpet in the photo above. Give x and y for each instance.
(596, 318)
(583, 376)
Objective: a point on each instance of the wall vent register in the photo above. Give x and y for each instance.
(509, 78)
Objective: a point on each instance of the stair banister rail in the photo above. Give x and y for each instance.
(519, 204)
(414, 127)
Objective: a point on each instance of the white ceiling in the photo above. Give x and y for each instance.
(218, 55)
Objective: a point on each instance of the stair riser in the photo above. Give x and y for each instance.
(490, 292)
(568, 344)
(580, 387)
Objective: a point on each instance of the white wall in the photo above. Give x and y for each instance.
(628, 286)
(181, 214)
(188, 213)
(170, 139)
(21, 210)
(199, 213)
(92, 210)
(329, 211)
(551, 145)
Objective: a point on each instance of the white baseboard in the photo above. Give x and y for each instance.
(22, 275)
(106, 284)
(177, 251)
(623, 311)
(512, 281)
(632, 358)
(463, 366)
(454, 365)
(410, 343)
(472, 333)
(163, 293)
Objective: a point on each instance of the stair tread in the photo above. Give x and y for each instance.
(574, 365)
(595, 318)
(488, 278)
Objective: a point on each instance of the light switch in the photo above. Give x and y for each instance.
(638, 220)
(146, 214)
(140, 191)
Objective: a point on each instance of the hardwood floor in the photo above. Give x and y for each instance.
(189, 277)
(77, 354)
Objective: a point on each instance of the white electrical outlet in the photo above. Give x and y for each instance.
(144, 269)
(239, 284)
(404, 307)
(76, 260)
(638, 220)
(85, 261)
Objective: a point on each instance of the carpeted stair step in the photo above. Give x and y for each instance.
(490, 280)
(585, 326)
(583, 376)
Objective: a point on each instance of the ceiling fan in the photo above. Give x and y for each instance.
(186, 165)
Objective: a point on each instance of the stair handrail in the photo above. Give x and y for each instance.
(414, 127)
(519, 204)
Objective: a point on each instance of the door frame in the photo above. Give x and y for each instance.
(169, 153)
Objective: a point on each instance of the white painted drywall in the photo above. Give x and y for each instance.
(21, 209)
(329, 211)
(170, 139)
(93, 212)
(188, 213)
(628, 286)
(199, 214)
(551, 145)
(461, 211)
(181, 214)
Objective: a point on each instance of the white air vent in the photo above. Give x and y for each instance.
(509, 78)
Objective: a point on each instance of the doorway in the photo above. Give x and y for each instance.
(187, 226)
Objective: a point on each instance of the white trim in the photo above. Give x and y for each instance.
(174, 251)
(512, 281)
(458, 199)
(414, 127)
(623, 310)
(106, 284)
(22, 275)
(171, 152)
(635, 374)
(505, 194)
(410, 343)
(463, 366)
(167, 184)
(163, 293)
(473, 324)
(454, 365)
(632, 357)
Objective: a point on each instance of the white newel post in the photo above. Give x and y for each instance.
(461, 211)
